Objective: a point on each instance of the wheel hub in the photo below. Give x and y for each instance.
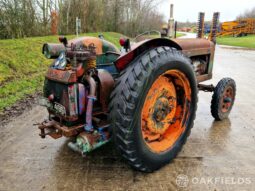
(163, 118)
(227, 99)
(162, 108)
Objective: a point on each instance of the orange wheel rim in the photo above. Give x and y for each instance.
(165, 110)
(227, 99)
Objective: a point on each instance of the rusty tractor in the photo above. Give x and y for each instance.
(144, 97)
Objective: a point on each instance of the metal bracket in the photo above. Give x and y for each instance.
(206, 88)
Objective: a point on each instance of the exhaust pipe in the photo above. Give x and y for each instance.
(215, 22)
(201, 25)
(52, 51)
(91, 98)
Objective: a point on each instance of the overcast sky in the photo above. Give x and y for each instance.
(188, 9)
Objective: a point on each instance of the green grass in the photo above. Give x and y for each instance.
(179, 34)
(22, 65)
(247, 41)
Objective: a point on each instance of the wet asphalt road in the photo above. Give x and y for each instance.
(217, 155)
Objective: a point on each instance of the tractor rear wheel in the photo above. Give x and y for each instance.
(223, 98)
(153, 108)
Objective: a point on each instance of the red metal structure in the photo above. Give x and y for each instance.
(144, 98)
(54, 22)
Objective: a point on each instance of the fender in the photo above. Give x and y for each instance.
(139, 48)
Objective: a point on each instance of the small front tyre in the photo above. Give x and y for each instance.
(223, 98)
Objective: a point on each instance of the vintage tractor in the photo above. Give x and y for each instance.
(144, 99)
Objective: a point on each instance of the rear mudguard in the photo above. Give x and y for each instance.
(141, 47)
(190, 47)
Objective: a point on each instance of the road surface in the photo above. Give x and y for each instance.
(217, 155)
(188, 35)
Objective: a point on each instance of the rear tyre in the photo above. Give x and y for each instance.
(153, 108)
(223, 98)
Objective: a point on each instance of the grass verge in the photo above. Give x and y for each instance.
(246, 41)
(22, 65)
(180, 34)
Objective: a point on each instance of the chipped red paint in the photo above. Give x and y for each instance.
(67, 76)
(80, 70)
(57, 130)
(82, 98)
(72, 98)
(106, 86)
(124, 60)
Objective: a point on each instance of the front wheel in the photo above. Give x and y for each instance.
(223, 98)
(153, 107)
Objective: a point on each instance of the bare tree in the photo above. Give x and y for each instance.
(247, 14)
(19, 18)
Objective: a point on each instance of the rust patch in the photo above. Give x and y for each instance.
(61, 76)
(106, 87)
(57, 130)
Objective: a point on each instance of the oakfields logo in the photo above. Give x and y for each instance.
(183, 180)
